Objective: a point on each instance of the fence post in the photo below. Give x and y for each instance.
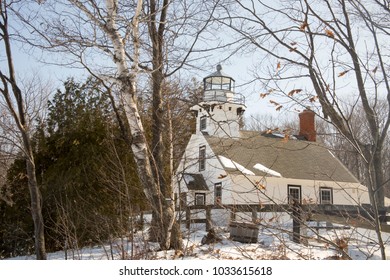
(232, 214)
(296, 217)
(254, 214)
(188, 217)
(208, 218)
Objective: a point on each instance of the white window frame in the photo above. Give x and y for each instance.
(203, 123)
(202, 196)
(328, 191)
(218, 193)
(202, 158)
(294, 188)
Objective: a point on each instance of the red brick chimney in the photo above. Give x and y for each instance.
(307, 126)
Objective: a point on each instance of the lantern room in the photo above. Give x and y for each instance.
(218, 81)
(220, 87)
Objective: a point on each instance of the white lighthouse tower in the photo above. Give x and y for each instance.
(221, 109)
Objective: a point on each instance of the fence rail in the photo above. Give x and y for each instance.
(359, 216)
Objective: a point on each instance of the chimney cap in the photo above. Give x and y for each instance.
(307, 109)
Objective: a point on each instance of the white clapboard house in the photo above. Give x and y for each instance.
(223, 165)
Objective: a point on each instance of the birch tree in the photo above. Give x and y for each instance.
(319, 54)
(15, 101)
(128, 45)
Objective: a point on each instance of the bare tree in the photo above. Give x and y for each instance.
(129, 45)
(15, 101)
(320, 52)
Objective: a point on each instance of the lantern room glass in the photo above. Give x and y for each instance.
(219, 81)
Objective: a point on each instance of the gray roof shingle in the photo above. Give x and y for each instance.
(292, 158)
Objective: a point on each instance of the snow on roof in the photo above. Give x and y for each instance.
(188, 178)
(228, 163)
(264, 169)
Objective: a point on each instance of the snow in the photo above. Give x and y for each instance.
(273, 248)
(332, 154)
(228, 163)
(264, 169)
(274, 243)
(188, 178)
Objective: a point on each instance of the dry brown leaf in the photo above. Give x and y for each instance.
(278, 66)
(313, 99)
(329, 33)
(304, 25)
(294, 91)
(263, 95)
(343, 73)
(279, 107)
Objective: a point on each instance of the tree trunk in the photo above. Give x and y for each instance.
(36, 211)
(19, 114)
(162, 213)
(156, 32)
(375, 199)
(379, 189)
(147, 166)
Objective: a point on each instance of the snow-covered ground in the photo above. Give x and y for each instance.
(225, 259)
(274, 242)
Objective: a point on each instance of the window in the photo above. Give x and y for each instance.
(326, 196)
(217, 193)
(202, 158)
(203, 122)
(294, 194)
(200, 199)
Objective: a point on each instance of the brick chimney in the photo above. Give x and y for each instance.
(307, 126)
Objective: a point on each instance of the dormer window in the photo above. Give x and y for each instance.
(202, 158)
(203, 123)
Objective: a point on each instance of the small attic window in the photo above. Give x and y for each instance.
(203, 123)
(202, 158)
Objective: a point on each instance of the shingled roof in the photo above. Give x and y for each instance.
(195, 182)
(295, 159)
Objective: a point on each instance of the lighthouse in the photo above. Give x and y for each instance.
(220, 111)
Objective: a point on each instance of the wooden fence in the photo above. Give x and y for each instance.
(358, 216)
